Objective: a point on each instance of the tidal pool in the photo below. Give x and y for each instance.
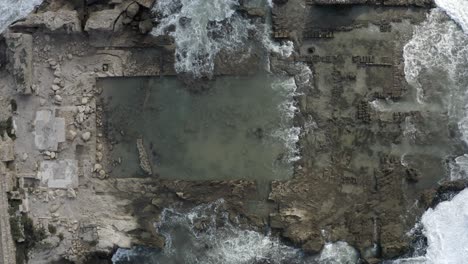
(236, 128)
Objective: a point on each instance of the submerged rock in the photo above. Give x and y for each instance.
(143, 156)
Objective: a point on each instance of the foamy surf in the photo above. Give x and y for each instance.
(202, 29)
(457, 10)
(438, 52)
(339, 252)
(205, 235)
(12, 10)
(288, 88)
(439, 47)
(445, 228)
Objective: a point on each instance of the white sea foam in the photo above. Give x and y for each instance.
(459, 168)
(445, 227)
(440, 49)
(438, 52)
(284, 49)
(208, 237)
(205, 235)
(457, 10)
(202, 29)
(12, 10)
(290, 88)
(288, 133)
(338, 253)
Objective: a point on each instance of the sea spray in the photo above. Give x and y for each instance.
(445, 227)
(202, 29)
(288, 133)
(339, 252)
(205, 235)
(12, 10)
(439, 51)
(457, 10)
(290, 88)
(440, 47)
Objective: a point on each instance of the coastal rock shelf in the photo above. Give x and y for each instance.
(225, 131)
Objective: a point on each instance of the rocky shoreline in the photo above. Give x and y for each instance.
(349, 185)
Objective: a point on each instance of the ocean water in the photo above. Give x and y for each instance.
(436, 62)
(205, 235)
(12, 10)
(438, 52)
(202, 29)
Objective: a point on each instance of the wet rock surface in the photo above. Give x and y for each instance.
(351, 183)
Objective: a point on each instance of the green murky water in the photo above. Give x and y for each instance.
(225, 132)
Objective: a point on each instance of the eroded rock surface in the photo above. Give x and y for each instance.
(350, 183)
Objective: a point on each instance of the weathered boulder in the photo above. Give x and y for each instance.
(314, 245)
(145, 26)
(86, 136)
(132, 10)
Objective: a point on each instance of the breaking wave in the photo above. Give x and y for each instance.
(445, 228)
(202, 29)
(457, 10)
(439, 52)
(12, 10)
(205, 235)
(436, 60)
(288, 133)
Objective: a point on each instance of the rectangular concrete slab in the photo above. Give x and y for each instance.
(60, 174)
(49, 130)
